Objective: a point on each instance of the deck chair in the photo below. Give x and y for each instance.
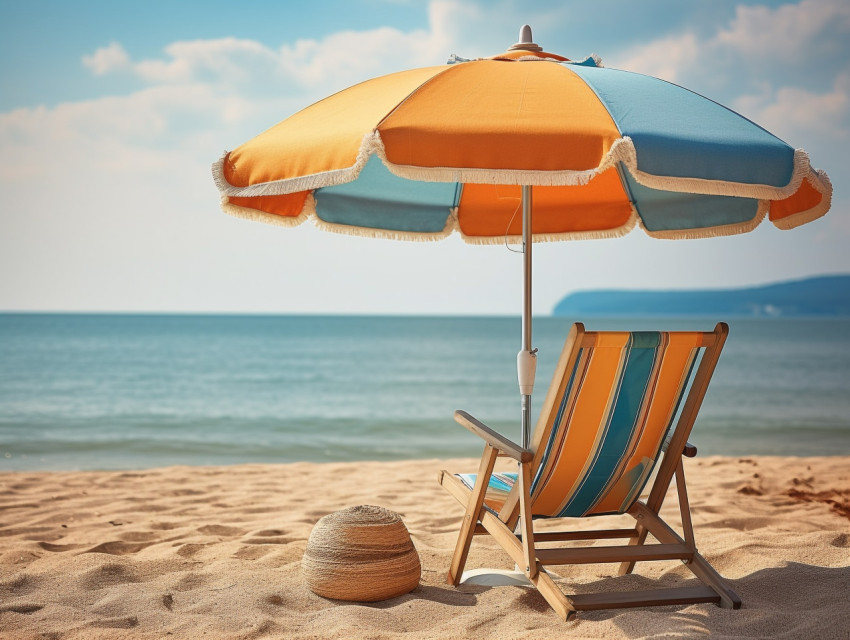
(607, 418)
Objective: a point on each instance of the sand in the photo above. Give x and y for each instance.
(215, 552)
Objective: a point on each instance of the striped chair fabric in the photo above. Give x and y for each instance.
(607, 427)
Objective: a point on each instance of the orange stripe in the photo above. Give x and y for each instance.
(592, 407)
(554, 451)
(491, 210)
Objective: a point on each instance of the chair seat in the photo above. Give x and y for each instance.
(499, 487)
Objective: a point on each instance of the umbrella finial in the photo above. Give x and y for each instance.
(526, 42)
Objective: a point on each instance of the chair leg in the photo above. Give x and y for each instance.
(473, 511)
(709, 576)
(685, 507)
(627, 567)
(699, 565)
(560, 603)
(526, 525)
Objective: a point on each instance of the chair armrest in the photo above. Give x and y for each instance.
(689, 451)
(494, 439)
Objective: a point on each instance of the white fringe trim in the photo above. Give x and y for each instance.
(622, 151)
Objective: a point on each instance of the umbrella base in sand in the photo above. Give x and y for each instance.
(495, 578)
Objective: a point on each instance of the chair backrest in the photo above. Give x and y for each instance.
(611, 405)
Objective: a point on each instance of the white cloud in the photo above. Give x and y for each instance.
(665, 58)
(793, 112)
(107, 59)
(221, 60)
(199, 91)
(207, 95)
(778, 56)
(331, 62)
(811, 36)
(108, 203)
(787, 32)
(117, 133)
(348, 55)
(345, 56)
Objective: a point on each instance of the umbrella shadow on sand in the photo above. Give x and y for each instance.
(466, 597)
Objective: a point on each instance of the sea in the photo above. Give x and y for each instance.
(109, 391)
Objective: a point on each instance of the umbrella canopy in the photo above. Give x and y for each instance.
(426, 152)
(422, 153)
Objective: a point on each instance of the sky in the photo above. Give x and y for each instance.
(111, 114)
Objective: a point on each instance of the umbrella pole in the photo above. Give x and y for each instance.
(526, 358)
(526, 361)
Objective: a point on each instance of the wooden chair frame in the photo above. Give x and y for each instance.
(513, 528)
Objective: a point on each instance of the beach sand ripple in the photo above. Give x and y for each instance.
(215, 552)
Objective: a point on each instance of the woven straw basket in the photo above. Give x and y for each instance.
(361, 553)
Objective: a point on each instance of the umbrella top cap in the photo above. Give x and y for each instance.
(525, 42)
(526, 49)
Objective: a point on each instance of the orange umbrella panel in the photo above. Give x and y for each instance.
(601, 208)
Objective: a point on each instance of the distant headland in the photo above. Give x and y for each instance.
(821, 296)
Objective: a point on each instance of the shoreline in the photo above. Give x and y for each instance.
(413, 460)
(216, 551)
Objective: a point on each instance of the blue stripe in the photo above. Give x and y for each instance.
(636, 490)
(670, 210)
(641, 356)
(380, 200)
(679, 133)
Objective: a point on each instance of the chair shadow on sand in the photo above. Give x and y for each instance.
(776, 593)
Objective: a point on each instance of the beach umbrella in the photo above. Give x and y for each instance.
(523, 146)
